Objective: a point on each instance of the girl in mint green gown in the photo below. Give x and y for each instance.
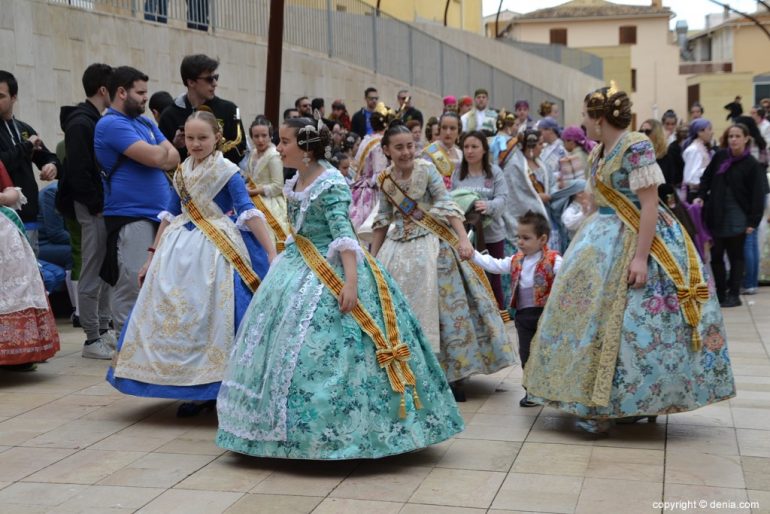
(303, 381)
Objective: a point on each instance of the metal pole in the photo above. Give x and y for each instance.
(274, 57)
(441, 67)
(213, 20)
(411, 56)
(329, 25)
(375, 14)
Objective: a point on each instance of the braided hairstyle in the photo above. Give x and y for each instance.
(311, 138)
(613, 106)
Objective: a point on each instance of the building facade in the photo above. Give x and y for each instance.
(638, 49)
(460, 14)
(728, 59)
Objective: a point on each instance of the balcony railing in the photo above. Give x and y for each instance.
(693, 68)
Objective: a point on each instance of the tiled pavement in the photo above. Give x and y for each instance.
(70, 444)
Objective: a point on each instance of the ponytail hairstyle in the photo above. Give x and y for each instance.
(545, 108)
(396, 127)
(208, 117)
(486, 166)
(610, 104)
(262, 121)
(314, 138)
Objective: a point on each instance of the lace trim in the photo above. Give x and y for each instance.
(645, 176)
(238, 417)
(324, 181)
(246, 216)
(166, 216)
(342, 244)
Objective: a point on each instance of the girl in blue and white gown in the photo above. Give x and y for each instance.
(176, 342)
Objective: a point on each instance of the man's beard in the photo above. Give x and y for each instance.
(133, 108)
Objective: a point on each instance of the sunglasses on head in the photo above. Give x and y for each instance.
(210, 78)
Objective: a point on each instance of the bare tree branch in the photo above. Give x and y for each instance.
(745, 15)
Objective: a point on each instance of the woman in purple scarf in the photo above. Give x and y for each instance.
(732, 191)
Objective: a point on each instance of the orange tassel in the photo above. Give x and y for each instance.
(416, 398)
(402, 408)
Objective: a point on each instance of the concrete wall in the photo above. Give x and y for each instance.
(617, 63)
(47, 47)
(719, 89)
(562, 81)
(655, 57)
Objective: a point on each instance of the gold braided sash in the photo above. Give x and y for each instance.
(392, 354)
(691, 293)
(411, 209)
(275, 226)
(441, 159)
(215, 236)
(365, 153)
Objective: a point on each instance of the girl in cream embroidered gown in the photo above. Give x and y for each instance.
(266, 172)
(303, 381)
(457, 313)
(177, 339)
(604, 350)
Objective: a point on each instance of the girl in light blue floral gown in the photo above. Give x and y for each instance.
(632, 328)
(304, 380)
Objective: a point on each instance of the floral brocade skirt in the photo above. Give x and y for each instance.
(603, 350)
(455, 309)
(28, 336)
(303, 381)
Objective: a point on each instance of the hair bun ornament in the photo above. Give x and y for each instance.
(616, 113)
(617, 102)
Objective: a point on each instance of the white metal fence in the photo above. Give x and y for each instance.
(349, 30)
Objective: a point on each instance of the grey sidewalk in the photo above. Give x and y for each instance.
(70, 444)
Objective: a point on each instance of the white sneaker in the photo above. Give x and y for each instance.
(99, 349)
(110, 339)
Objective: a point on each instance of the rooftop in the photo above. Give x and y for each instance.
(594, 9)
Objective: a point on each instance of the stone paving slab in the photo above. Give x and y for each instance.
(70, 444)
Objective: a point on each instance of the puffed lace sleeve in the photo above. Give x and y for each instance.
(236, 187)
(643, 169)
(336, 203)
(173, 208)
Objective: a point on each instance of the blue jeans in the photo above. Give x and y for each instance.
(751, 259)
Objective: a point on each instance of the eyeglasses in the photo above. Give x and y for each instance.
(210, 78)
(372, 98)
(646, 132)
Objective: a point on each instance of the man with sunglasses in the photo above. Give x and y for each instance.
(361, 124)
(199, 76)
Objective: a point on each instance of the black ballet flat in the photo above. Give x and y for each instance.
(458, 393)
(634, 419)
(30, 366)
(191, 409)
(526, 402)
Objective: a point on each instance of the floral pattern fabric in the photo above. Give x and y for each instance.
(451, 302)
(595, 330)
(303, 380)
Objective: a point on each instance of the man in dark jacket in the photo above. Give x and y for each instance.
(200, 77)
(81, 196)
(20, 147)
(361, 124)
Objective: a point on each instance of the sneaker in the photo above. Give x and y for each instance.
(748, 290)
(109, 339)
(98, 350)
(75, 319)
